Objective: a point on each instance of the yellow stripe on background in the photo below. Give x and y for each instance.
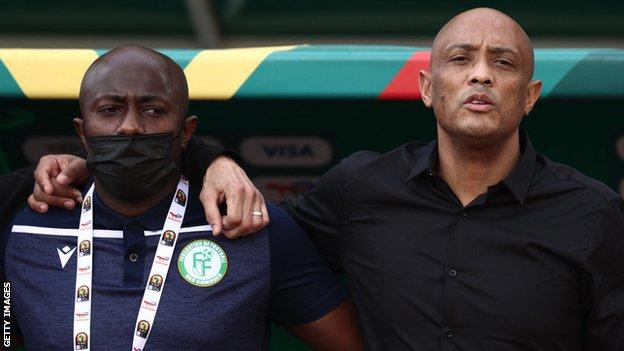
(217, 74)
(48, 73)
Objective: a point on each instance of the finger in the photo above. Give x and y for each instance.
(62, 191)
(211, 208)
(56, 201)
(37, 206)
(265, 213)
(47, 168)
(234, 199)
(64, 178)
(245, 226)
(66, 192)
(258, 220)
(61, 197)
(72, 171)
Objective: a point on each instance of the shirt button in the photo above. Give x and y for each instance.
(462, 212)
(452, 273)
(133, 257)
(449, 333)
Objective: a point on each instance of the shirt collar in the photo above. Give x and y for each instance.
(518, 181)
(427, 162)
(152, 220)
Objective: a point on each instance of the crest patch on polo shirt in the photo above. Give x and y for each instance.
(202, 263)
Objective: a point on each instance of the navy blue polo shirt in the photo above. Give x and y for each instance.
(273, 275)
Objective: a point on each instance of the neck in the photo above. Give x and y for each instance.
(469, 168)
(134, 209)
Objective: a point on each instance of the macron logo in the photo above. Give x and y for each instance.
(65, 254)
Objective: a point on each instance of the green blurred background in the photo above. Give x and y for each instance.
(583, 131)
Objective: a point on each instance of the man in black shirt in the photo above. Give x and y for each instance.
(475, 241)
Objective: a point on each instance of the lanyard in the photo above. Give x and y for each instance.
(155, 283)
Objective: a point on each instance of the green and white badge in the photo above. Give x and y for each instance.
(202, 263)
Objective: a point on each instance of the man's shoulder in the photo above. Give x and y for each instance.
(283, 232)
(405, 155)
(195, 214)
(280, 221)
(303, 288)
(567, 178)
(54, 218)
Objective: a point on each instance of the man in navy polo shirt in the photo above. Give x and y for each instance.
(136, 266)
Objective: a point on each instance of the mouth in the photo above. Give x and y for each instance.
(479, 103)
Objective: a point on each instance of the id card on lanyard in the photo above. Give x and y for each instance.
(155, 282)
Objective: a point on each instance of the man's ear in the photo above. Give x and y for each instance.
(190, 123)
(79, 126)
(424, 79)
(533, 93)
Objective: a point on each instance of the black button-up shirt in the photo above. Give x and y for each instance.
(535, 263)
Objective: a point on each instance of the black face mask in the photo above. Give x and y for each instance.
(132, 168)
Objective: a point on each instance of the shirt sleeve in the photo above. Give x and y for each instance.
(198, 156)
(15, 188)
(321, 213)
(604, 282)
(16, 335)
(303, 288)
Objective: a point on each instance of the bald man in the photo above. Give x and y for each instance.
(474, 241)
(99, 277)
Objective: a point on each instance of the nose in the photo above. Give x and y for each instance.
(481, 74)
(131, 123)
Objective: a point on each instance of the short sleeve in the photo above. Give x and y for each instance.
(321, 213)
(16, 336)
(303, 288)
(15, 188)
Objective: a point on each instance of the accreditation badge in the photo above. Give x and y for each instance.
(82, 341)
(85, 248)
(143, 329)
(155, 282)
(82, 294)
(202, 263)
(86, 204)
(180, 197)
(168, 238)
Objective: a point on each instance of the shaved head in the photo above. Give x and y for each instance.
(116, 67)
(134, 125)
(134, 90)
(479, 82)
(462, 28)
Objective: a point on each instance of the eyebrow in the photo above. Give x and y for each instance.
(113, 97)
(150, 98)
(122, 99)
(494, 49)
